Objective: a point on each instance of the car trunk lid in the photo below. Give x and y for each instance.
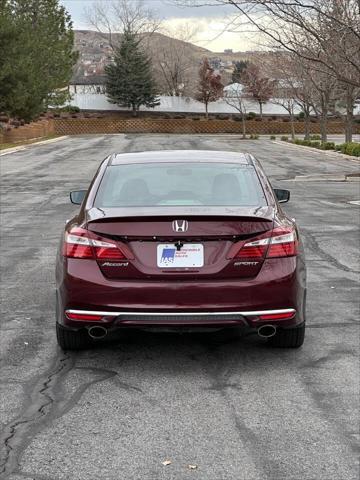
(178, 243)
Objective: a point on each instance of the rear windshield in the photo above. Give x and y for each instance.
(165, 184)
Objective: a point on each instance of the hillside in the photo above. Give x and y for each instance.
(95, 52)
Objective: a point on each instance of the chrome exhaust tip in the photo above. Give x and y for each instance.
(97, 332)
(266, 331)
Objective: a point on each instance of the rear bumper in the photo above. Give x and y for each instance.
(178, 319)
(280, 285)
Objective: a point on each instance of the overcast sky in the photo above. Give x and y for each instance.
(209, 22)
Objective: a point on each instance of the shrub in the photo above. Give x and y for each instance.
(315, 137)
(356, 150)
(315, 144)
(272, 137)
(306, 143)
(284, 138)
(329, 146)
(352, 148)
(254, 136)
(301, 115)
(286, 120)
(251, 115)
(69, 109)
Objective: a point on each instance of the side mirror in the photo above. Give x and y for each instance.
(77, 197)
(282, 195)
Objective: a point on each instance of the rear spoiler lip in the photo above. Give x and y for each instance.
(261, 214)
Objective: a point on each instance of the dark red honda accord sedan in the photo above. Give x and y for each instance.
(180, 239)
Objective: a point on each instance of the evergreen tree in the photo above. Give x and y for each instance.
(38, 61)
(239, 69)
(129, 79)
(9, 49)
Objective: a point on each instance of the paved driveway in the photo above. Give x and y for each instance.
(234, 408)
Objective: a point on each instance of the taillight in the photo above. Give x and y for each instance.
(78, 243)
(284, 243)
(280, 242)
(107, 250)
(254, 249)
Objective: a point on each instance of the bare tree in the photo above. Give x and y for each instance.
(325, 36)
(257, 85)
(210, 87)
(175, 60)
(280, 66)
(288, 103)
(115, 17)
(303, 90)
(323, 96)
(287, 23)
(348, 94)
(235, 98)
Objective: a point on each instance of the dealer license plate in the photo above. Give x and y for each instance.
(191, 255)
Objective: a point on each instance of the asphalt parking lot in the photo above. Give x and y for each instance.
(234, 408)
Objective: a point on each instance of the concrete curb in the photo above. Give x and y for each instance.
(327, 177)
(328, 153)
(320, 178)
(24, 147)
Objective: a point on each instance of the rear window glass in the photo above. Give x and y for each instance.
(176, 184)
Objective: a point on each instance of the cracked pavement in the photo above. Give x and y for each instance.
(232, 406)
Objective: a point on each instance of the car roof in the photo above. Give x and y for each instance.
(177, 156)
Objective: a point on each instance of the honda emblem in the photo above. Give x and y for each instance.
(180, 225)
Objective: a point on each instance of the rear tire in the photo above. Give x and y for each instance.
(289, 337)
(72, 339)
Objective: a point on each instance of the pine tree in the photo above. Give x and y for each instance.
(239, 69)
(9, 48)
(38, 61)
(129, 80)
